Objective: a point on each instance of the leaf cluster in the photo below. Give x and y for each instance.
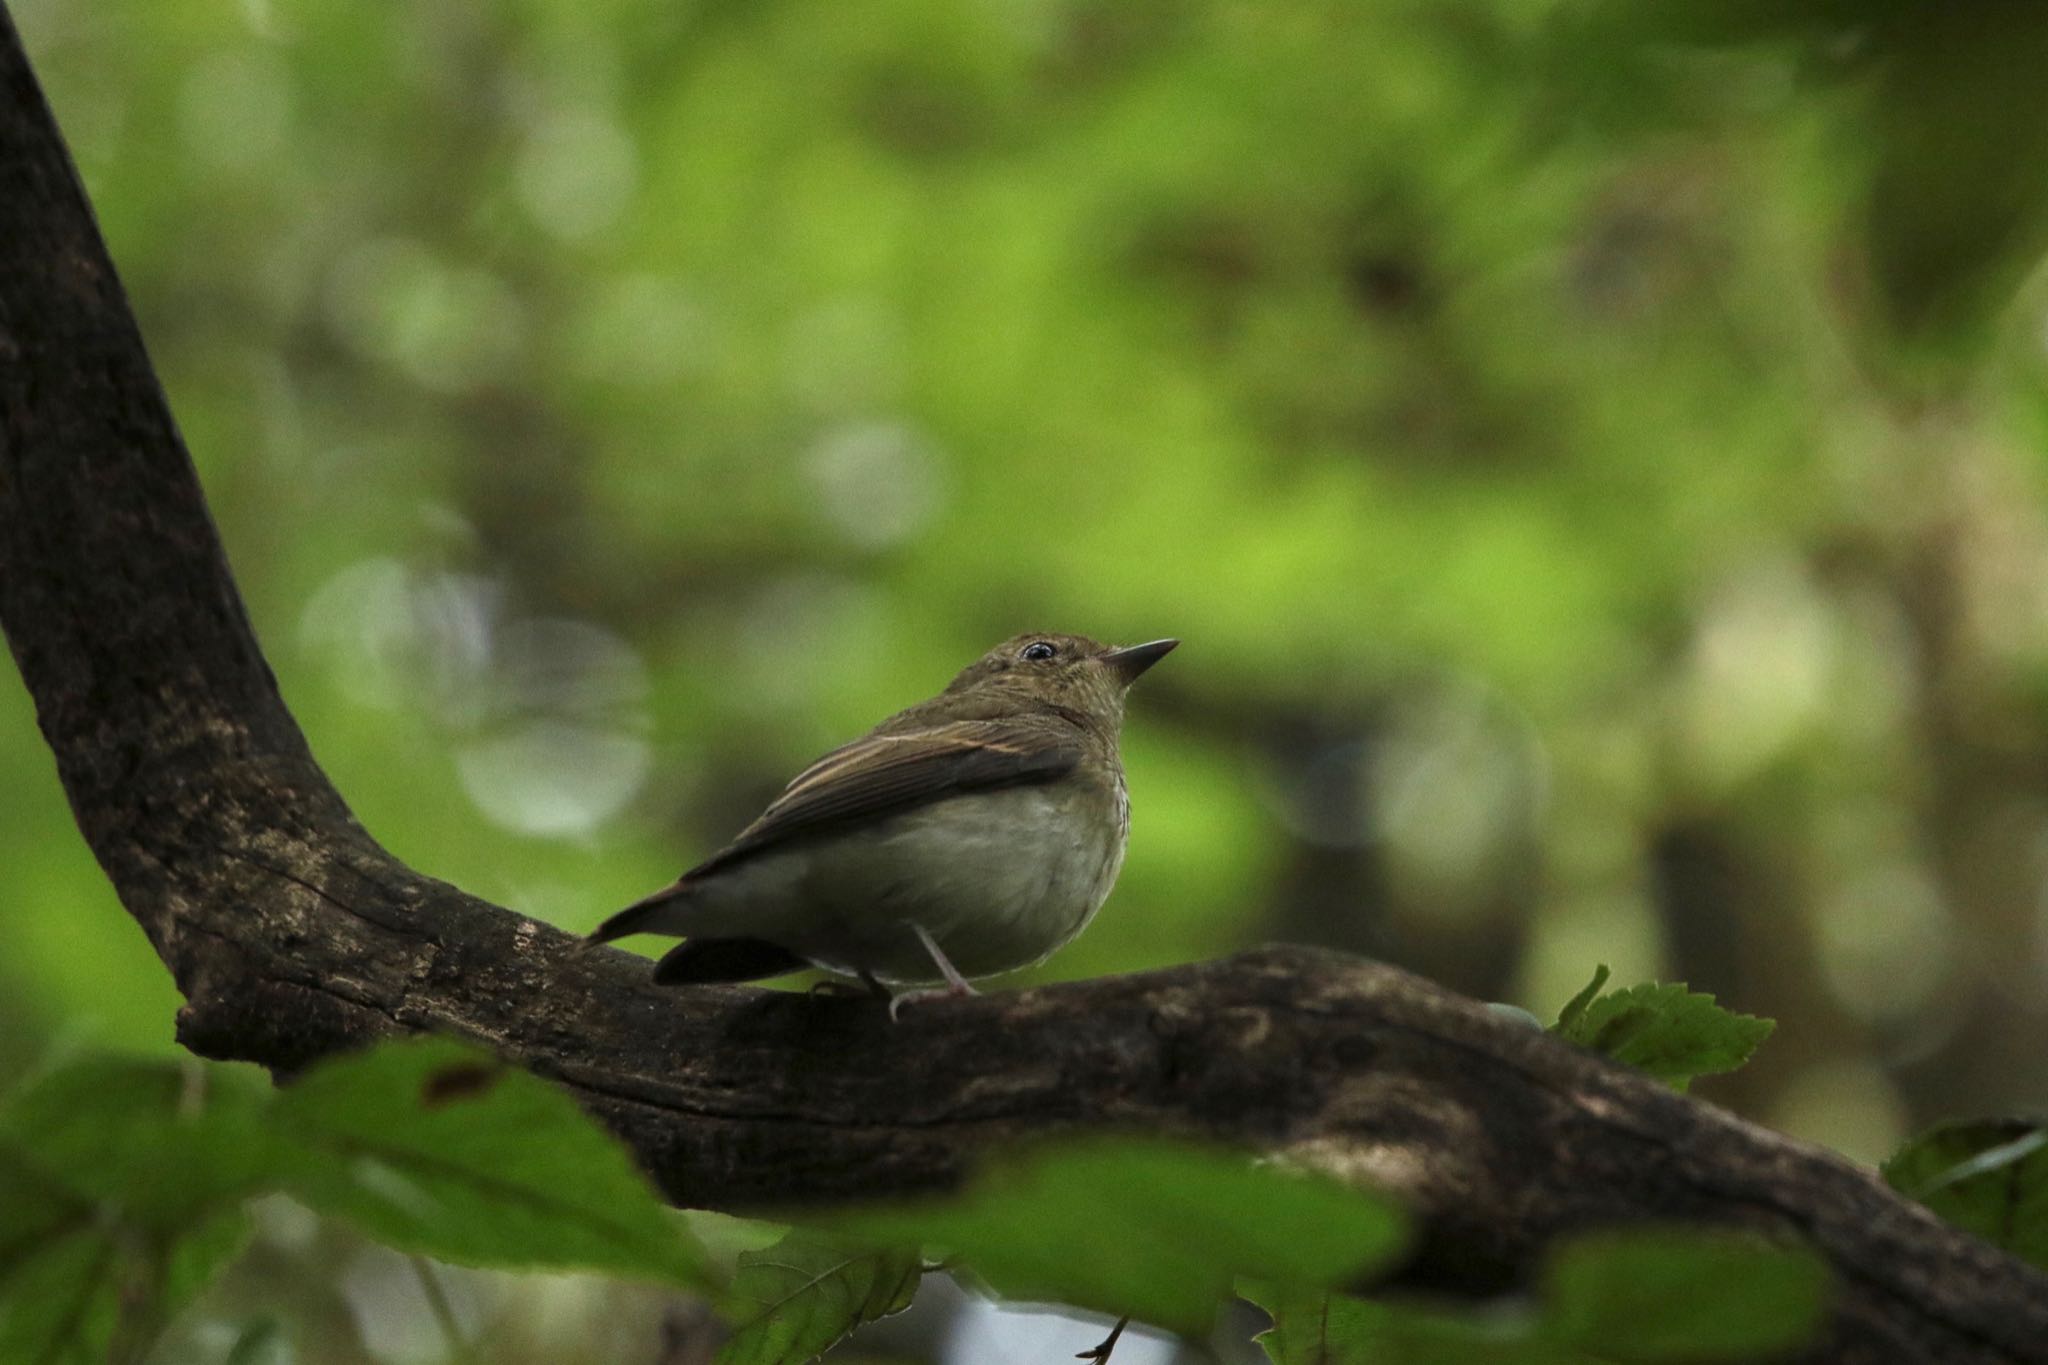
(1637, 1296)
(124, 1183)
(1987, 1176)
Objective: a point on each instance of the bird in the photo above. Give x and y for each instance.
(969, 835)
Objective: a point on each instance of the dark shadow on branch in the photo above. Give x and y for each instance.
(293, 935)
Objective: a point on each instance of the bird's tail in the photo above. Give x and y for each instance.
(700, 960)
(644, 916)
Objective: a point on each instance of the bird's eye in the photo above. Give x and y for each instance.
(1036, 650)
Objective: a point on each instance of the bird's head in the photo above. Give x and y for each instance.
(1071, 671)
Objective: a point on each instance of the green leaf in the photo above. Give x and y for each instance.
(121, 1185)
(191, 1260)
(441, 1149)
(121, 1194)
(793, 1301)
(161, 1142)
(1576, 1006)
(262, 1342)
(1668, 1294)
(33, 1208)
(60, 1299)
(1154, 1229)
(1630, 1297)
(90, 1288)
(1987, 1176)
(425, 1144)
(1333, 1329)
(157, 1275)
(1666, 1030)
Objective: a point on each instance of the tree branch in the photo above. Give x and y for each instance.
(293, 935)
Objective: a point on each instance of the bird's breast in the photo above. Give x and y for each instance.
(1000, 879)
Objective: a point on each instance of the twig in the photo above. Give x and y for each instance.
(1099, 1353)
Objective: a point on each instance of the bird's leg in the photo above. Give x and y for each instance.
(956, 984)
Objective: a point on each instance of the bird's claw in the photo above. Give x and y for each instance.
(952, 990)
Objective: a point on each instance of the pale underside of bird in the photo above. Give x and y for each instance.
(971, 835)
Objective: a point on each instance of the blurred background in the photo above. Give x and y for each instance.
(1592, 453)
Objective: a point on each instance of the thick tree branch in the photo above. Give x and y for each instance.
(293, 935)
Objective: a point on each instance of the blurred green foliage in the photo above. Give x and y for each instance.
(1592, 452)
(1636, 1297)
(127, 1183)
(1987, 1175)
(1153, 1228)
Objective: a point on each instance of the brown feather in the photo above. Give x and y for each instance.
(886, 773)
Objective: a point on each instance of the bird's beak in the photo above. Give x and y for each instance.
(1132, 660)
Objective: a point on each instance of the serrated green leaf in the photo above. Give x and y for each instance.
(1987, 1176)
(1155, 1229)
(441, 1149)
(1654, 1295)
(161, 1142)
(1664, 1029)
(793, 1301)
(1576, 1006)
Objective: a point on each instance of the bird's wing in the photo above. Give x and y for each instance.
(885, 773)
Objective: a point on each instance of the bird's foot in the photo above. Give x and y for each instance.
(952, 990)
(869, 987)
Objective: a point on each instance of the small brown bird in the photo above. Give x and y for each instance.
(970, 835)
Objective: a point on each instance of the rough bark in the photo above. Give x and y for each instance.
(293, 935)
